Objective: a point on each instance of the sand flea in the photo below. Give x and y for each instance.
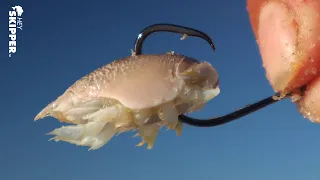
(139, 93)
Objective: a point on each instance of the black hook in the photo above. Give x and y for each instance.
(218, 120)
(169, 28)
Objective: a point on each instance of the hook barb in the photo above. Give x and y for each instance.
(214, 121)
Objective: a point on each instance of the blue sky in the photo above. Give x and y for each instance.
(62, 41)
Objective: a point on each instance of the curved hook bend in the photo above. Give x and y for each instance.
(169, 28)
(214, 121)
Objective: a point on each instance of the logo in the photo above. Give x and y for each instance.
(15, 22)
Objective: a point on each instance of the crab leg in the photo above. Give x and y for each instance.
(169, 114)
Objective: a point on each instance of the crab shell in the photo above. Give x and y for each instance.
(141, 93)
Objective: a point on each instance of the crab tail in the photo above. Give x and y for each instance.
(57, 108)
(47, 111)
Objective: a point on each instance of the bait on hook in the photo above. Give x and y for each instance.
(142, 93)
(217, 120)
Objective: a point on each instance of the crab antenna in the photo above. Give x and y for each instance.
(217, 120)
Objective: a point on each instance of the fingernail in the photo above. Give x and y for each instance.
(277, 37)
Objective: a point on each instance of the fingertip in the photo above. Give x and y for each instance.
(309, 104)
(287, 34)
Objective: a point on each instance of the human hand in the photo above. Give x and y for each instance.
(288, 36)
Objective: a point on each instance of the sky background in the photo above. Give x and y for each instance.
(62, 41)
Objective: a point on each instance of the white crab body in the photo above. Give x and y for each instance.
(141, 93)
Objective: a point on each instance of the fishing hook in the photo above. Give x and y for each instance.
(217, 120)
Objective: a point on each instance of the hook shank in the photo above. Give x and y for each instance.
(232, 116)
